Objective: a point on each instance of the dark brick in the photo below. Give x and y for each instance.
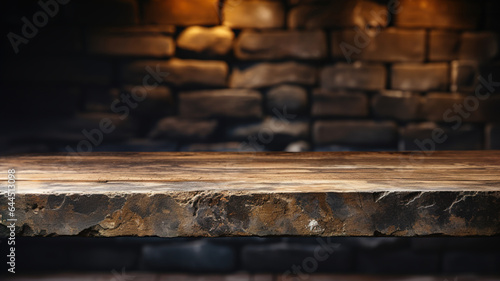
(443, 45)
(218, 147)
(211, 41)
(464, 76)
(268, 45)
(429, 136)
(473, 244)
(481, 46)
(154, 102)
(183, 13)
(178, 72)
(271, 130)
(355, 133)
(399, 105)
(175, 128)
(339, 103)
(291, 97)
(117, 44)
(99, 99)
(420, 77)
(331, 14)
(109, 12)
(457, 108)
(493, 136)
(228, 103)
(380, 244)
(389, 45)
(447, 14)
(282, 257)
(428, 244)
(198, 256)
(354, 76)
(398, 262)
(269, 74)
(253, 14)
(467, 262)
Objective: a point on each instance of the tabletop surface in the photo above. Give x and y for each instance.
(256, 172)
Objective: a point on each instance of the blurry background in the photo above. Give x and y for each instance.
(242, 75)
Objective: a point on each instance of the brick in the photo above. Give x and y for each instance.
(464, 76)
(212, 41)
(178, 72)
(98, 99)
(399, 105)
(291, 97)
(448, 14)
(339, 103)
(110, 12)
(429, 136)
(228, 103)
(151, 103)
(398, 262)
(471, 262)
(268, 45)
(254, 14)
(270, 130)
(420, 77)
(457, 108)
(57, 70)
(443, 45)
(369, 133)
(379, 244)
(493, 136)
(176, 128)
(358, 76)
(269, 74)
(281, 257)
(481, 46)
(338, 14)
(389, 45)
(183, 13)
(115, 44)
(198, 256)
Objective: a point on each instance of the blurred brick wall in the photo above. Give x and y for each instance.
(348, 255)
(243, 75)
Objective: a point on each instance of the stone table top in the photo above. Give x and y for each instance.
(176, 194)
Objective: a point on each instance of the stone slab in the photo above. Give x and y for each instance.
(255, 194)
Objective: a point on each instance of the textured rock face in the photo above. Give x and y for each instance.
(221, 194)
(211, 41)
